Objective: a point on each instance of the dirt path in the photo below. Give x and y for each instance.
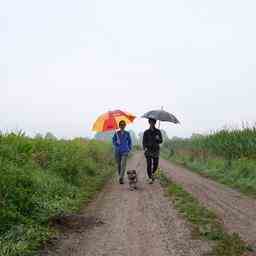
(124, 223)
(236, 210)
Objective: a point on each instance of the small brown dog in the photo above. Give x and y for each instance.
(133, 179)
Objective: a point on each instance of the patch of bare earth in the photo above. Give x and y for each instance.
(237, 211)
(121, 222)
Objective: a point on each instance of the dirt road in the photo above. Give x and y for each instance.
(123, 223)
(237, 211)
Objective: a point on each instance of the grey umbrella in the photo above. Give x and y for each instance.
(161, 115)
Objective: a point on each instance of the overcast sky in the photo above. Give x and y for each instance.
(63, 63)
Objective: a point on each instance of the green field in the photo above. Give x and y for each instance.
(228, 155)
(41, 178)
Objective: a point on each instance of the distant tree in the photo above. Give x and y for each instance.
(81, 140)
(39, 136)
(176, 138)
(164, 135)
(50, 136)
(104, 136)
(196, 136)
(140, 138)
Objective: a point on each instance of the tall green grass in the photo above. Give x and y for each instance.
(228, 155)
(40, 178)
(226, 143)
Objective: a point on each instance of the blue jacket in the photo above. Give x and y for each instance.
(122, 142)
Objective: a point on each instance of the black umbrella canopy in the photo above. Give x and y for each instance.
(161, 115)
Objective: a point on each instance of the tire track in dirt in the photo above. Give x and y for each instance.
(237, 211)
(137, 223)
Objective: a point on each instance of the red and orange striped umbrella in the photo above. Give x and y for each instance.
(110, 120)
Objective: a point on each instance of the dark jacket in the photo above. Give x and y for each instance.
(122, 142)
(151, 142)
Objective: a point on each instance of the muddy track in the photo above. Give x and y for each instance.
(123, 223)
(237, 211)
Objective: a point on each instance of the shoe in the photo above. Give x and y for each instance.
(121, 181)
(151, 181)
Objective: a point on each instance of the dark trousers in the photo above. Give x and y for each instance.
(152, 165)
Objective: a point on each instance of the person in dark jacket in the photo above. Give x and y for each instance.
(123, 145)
(151, 140)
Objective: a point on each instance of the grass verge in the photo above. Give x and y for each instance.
(42, 178)
(239, 174)
(205, 223)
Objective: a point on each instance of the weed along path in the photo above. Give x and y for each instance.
(237, 211)
(120, 222)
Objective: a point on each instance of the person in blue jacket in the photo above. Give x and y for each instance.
(123, 145)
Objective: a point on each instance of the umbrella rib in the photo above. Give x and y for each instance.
(110, 118)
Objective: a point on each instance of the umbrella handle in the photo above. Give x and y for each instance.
(162, 108)
(118, 139)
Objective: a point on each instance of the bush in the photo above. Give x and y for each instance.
(41, 178)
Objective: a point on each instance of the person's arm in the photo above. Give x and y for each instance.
(114, 140)
(160, 138)
(144, 140)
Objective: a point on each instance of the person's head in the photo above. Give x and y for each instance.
(122, 124)
(152, 122)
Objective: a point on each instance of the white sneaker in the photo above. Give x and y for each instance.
(151, 181)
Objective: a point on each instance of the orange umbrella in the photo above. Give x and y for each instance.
(110, 120)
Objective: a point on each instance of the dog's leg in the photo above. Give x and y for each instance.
(130, 185)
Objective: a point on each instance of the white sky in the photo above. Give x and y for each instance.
(62, 63)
